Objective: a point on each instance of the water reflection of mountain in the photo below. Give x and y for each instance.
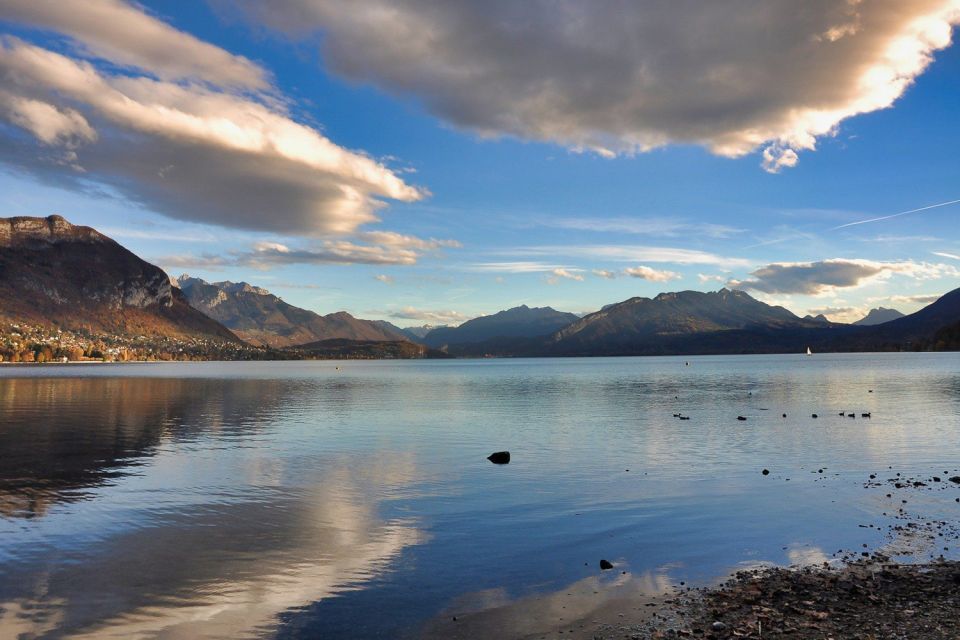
(63, 437)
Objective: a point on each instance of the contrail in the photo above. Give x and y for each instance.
(895, 215)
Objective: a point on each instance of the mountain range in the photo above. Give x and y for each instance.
(261, 318)
(62, 276)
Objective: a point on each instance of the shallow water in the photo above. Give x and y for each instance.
(296, 499)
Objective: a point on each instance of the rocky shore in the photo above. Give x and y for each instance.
(870, 600)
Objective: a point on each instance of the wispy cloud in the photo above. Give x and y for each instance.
(393, 249)
(384, 278)
(944, 254)
(661, 227)
(631, 253)
(515, 267)
(605, 273)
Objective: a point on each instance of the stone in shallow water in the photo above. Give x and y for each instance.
(499, 457)
(605, 564)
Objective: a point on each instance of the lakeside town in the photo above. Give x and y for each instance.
(30, 343)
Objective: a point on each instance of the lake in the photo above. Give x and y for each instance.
(354, 499)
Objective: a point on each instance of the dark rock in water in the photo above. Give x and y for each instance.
(955, 479)
(784, 415)
(740, 418)
(684, 417)
(605, 564)
(765, 472)
(864, 415)
(500, 457)
(813, 416)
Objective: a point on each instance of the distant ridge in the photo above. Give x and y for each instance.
(655, 325)
(878, 316)
(53, 273)
(518, 322)
(261, 318)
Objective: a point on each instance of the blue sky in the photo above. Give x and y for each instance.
(481, 196)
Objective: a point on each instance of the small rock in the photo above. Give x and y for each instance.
(765, 472)
(718, 626)
(740, 418)
(605, 564)
(499, 457)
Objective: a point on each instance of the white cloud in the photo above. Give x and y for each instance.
(384, 278)
(776, 157)
(563, 274)
(704, 278)
(826, 276)
(448, 317)
(944, 254)
(50, 124)
(604, 273)
(190, 130)
(616, 77)
(650, 274)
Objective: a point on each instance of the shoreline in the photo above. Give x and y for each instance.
(904, 588)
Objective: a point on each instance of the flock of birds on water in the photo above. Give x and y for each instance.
(842, 414)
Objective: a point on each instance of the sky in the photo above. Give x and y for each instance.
(429, 161)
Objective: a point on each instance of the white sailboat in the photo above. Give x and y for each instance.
(809, 353)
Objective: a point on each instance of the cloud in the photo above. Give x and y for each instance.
(662, 227)
(624, 77)
(563, 274)
(384, 278)
(922, 299)
(944, 254)
(825, 276)
(266, 255)
(174, 123)
(121, 32)
(840, 314)
(428, 316)
(603, 273)
(631, 253)
(515, 267)
(705, 278)
(651, 275)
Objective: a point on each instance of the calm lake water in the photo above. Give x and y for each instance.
(299, 500)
